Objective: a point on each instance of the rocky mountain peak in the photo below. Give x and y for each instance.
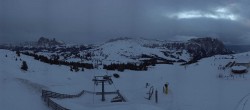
(42, 41)
(206, 47)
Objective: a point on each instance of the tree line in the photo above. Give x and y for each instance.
(143, 66)
(122, 66)
(55, 60)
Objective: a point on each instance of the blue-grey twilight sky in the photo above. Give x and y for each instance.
(90, 21)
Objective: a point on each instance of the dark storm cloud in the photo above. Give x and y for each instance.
(89, 21)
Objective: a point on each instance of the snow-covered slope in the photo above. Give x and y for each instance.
(191, 87)
(135, 50)
(132, 50)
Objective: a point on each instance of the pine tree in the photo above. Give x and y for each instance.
(75, 68)
(24, 66)
(18, 53)
(71, 68)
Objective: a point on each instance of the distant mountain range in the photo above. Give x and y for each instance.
(238, 48)
(43, 42)
(127, 50)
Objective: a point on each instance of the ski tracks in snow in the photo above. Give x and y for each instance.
(32, 85)
(243, 102)
(170, 102)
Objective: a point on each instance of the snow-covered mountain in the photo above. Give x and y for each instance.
(173, 51)
(47, 42)
(136, 51)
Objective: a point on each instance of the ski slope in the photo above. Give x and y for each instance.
(192, 87)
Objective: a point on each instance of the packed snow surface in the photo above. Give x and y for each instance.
(192, 87)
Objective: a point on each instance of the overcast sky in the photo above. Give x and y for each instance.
(90, 21)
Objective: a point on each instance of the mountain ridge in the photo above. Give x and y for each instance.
(130, 50)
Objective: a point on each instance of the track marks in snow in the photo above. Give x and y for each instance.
(243, 102)
(32, 85)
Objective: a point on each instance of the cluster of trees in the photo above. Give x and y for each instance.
(152, 62)
(24, 66)
(55, 60)
(122, 67)
(75, 68)
(18, 53)
(143, 66)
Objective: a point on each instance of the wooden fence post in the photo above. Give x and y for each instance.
(156, 96)
(48, 101)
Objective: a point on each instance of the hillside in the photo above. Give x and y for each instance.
(139, 52)
(193, 87)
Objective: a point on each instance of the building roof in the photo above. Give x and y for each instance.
(239, 68)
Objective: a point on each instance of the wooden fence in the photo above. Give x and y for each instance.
(47, 95)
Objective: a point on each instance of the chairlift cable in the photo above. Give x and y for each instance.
(112, 82)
